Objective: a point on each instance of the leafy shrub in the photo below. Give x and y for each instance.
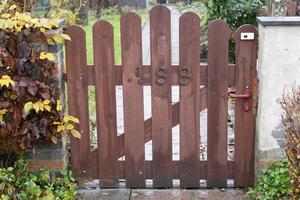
(274, 183)
(49, 9)
(21, 184)
(291, 120)
(196, 7)
(234, 12)
(30, 108)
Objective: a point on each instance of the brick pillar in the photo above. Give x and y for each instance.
(48, 155)
(278, 69)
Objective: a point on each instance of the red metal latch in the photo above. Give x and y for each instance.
(247, 95)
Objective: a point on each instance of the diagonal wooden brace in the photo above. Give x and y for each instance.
(175, 122)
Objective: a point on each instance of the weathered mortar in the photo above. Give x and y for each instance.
(278, 69)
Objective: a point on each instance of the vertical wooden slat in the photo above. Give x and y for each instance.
(160, 31)
(131, 40)
(105, 103)
(189, 40)
(245, 121)
(291, 8)
(218, 35)
(77, 86)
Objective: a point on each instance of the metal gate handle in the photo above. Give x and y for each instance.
(246, 95)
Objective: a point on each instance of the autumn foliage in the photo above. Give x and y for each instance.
(291, 120)
(30, 109)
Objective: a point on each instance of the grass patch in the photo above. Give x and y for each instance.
(114, 18)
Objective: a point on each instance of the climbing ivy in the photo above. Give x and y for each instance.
(30, 107)
(274, 183)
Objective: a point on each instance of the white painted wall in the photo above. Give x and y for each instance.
(278, 68)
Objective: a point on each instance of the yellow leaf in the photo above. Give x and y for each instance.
(71, 118)
(28, 106)
(41, 105)
(43, 55)
(54, 139)
(57, 38)
(69, 127)
(5, 15)
(50, 41)
(12, 7)
(56, 123)
(5, 77)
(50, 56)
(59, 106)
(65, 36)
(6, 81)
(42, 29)
(60, 128)
(76, 133)
(3, 111)
(46, 102)
(48, 108)
(74, 119)
(66, 118)
(54, 23)
(36, 107)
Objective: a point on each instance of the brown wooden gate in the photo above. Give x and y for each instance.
(201, 86)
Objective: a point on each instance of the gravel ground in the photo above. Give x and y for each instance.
(172, 194)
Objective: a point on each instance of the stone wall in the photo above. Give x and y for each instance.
(52, 156)
(278, 69)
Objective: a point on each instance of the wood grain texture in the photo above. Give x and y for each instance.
(131, 40)
(105, 103)
(202, 173)
(147, 75)
(189, 115)
(160, 34)
(217, 106)
(175, 122)
(77, 88)
(245, 121)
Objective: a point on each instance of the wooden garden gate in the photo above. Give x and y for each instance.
(201, 86)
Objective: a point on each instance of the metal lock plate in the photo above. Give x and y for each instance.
(247, 36)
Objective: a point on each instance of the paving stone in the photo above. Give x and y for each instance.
(104, 194)
(172, 194)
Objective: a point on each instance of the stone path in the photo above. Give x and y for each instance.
(175, 14)
(172, 194)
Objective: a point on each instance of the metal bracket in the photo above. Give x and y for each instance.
(139, 73)
(247, 36)
(185, 76)
(161, 76)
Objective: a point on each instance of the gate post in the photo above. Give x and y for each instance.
(47, 155)
(278, 68)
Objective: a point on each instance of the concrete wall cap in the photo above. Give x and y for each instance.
(279, 21)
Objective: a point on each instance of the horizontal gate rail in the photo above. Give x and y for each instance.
(202, 86)
(175, 169)
(147, 74)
